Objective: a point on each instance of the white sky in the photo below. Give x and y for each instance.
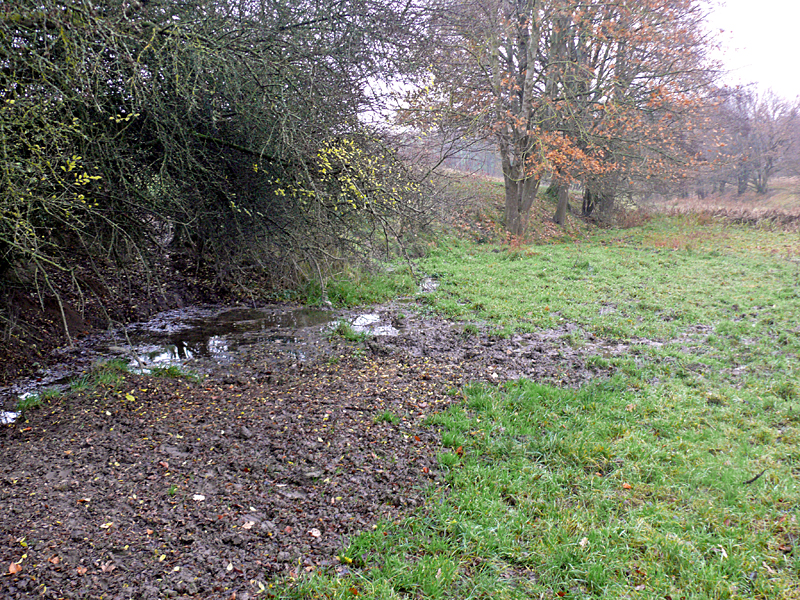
(762, 40)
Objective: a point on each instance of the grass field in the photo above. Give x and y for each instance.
(675, 478)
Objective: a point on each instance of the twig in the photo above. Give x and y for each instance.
(749, 481)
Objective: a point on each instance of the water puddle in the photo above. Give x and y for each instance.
(428, 285)
(7, 417)
(372, 324)
(217, 336)
(209, 340)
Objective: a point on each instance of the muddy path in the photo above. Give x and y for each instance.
(238, 343)
(177, 488)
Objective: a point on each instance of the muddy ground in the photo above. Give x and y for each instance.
(178, 488)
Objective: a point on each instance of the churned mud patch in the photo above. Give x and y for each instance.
(174, 488)
(158, 487)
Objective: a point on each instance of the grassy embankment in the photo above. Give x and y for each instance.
(641, 486)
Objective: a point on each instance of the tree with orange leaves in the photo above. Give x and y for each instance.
(589, 91)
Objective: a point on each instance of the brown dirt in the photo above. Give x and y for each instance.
(158, 488)
(161, 488)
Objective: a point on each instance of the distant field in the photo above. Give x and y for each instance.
(782, 201)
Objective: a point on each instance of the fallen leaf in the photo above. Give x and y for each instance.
(627, 486)
(164, 464)
(248, 525)
(14, 568)
(107, 567)
(149, 532)
(198, 497)
(55, 560)
(82, 570)
(288, 529)
(630, 407)
(583, 542)
(229, 567)
(353, 591)
(460, 450)
(315, 533)
(108, 525)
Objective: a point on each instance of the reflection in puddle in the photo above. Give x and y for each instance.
(177, 337)
(371, 323)
(363, 322)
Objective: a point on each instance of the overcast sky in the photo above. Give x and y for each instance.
(763, 43)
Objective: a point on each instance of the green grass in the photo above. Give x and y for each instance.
(344, 330)
(721, 297)
(357, 288)
(388, 417)
(174, 372)
(106, 374)
(639, 486)
(599, 493)
(32, 401)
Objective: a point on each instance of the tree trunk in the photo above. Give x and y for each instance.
(742, 179)
(599, 194)
(589, 200)
(520, 193)
(563, 203)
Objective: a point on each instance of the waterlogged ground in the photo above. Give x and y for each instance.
(291, 441)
